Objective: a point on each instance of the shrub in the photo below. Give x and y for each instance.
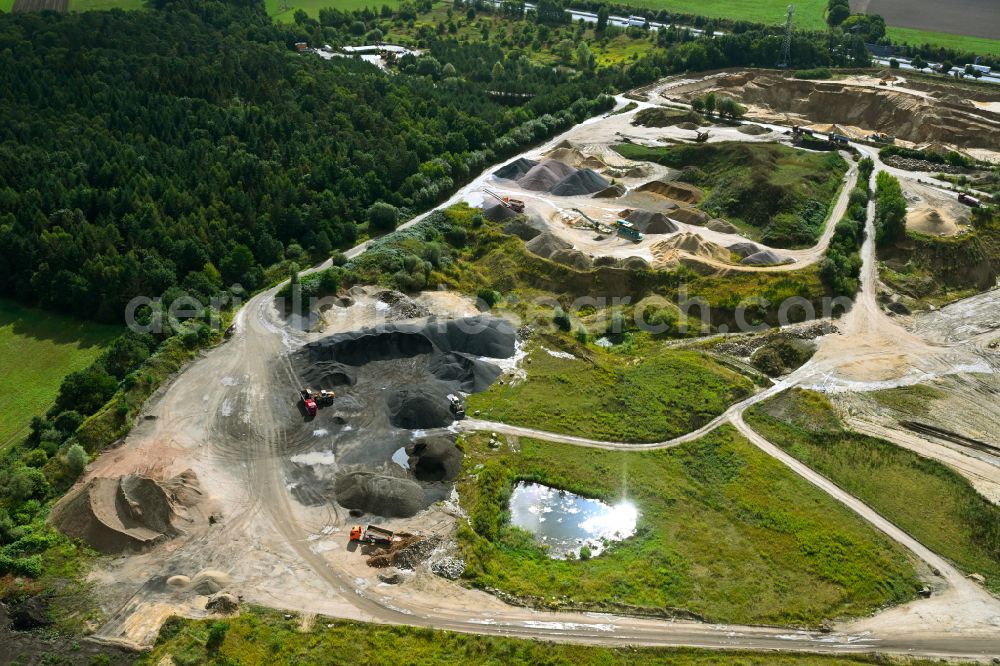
(816, 73)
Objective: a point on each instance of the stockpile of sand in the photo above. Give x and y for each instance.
(130, 512)
(753, 130)
(610, 192)
(379, 494)
(651, 223)
(690, 216)
(545, 244)
(765, 258)
(435, 459)
(930, 221)
(570, 154)
(572, 258)
(674, 190)
(691, 244)
(722, 227)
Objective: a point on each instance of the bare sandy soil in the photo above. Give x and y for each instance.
(933, 212)
(917, 114)
(230, 418)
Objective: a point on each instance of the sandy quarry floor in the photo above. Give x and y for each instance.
(224, 419)
(933, 212)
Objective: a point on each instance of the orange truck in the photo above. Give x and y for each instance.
(372, 534)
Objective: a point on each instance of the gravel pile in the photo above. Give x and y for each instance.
(744, 249)
(415, 553)
(545, 244)
(765, 258)
(525, 228)
(572, 258)
(451, 568)
(515, 169)
(722, 227)
(583, 181)
(651, 223)
(435, 459)
(379, 494)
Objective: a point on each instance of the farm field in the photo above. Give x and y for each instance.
(38, 349)
(285, 8)
(976, 18)
(979, 45)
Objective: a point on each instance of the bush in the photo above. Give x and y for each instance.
(76, 459)
(382, 216)
(561, 319)
(817, 73)
(768, 361)
(489, 296)
(216, 635)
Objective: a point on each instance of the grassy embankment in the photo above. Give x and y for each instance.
(459, 249)
(264, 636)
(38, 349)
(644, 393)
(725, 532)
(937, 270)
(777, 194)
(925, 498)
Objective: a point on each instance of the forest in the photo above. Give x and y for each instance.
(190, 148)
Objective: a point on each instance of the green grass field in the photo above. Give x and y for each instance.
(925, 498)
(259, 636)
(647, 394)
(977, 45)
(5, 5)
(285, 8)
(725, 532)
(808, 13)
(38, 349)
(100, 5)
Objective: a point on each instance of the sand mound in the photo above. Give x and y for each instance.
(131, 512)
(379, 494)
(930, 221)
(568, 153)
(692, 244)
(744, 249)
(435, 459)
(610, 192)
(515, 169)
(497, 212)
(722, 227)
(764, 258)
(419, 406)
(674, 190)
(545, 244)
(690, 216)
(584, 181)
(572, 258)
(210, 581)
(753, 130)
(635, 264)
(651, 223)
(545, 175)
(525, 228)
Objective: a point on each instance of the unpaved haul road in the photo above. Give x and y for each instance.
(963, 622)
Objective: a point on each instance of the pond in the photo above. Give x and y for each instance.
(565, 522)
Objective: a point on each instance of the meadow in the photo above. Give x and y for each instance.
(38, 349)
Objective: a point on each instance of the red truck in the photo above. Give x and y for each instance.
(308, 401)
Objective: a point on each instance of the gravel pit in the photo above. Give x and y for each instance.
(403, 376)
